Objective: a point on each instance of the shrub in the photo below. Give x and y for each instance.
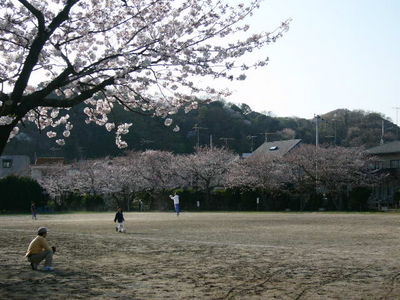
(17, 194)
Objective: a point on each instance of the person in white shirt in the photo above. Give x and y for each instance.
(175, 198)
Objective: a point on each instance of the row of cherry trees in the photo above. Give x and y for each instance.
(157, 173)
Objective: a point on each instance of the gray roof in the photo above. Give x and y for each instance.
(392, 147)
(277, 148)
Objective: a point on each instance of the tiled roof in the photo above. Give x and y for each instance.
(392, 147)
(277, 148)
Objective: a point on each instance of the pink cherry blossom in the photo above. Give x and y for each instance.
(141, 55)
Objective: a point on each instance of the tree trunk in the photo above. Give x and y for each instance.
(208, 198)
(4, 134)
(303, 201)
(160, 201)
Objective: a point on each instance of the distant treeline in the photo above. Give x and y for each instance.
(224, 124)
(19, 192)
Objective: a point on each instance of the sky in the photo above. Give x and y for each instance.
(337, 54)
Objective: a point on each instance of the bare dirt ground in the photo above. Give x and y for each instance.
(206, 256)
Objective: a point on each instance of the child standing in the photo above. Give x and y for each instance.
(119, 218)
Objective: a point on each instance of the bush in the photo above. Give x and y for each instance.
(359, 198)
(93, 202)
(17, 194)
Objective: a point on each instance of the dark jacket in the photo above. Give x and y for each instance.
(119, 216)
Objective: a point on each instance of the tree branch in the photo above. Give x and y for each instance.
(121, 102)
(36, 48)
(51, 102)
(58, 82)
(62, 15)
(37, 13)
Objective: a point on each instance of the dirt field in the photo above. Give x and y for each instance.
(206, 256)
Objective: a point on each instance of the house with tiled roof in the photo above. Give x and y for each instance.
(386, 159)
(277, 148)
(42, 164)
(388, 155)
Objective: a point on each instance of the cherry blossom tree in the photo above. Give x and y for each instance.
(83, 177)
(112, 178)
(261, 175)
(87, 177)
(125, 177)
(144, 55)
(206, 168)
(95, 176)
(160, 172)
(330, 169)
(55, 179)
(259, 171)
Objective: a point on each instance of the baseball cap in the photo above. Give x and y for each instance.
(42, 230)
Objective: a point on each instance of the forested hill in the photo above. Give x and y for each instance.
(234, 126)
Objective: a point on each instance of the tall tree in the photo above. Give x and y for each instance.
(331, 169)
(160, 173)
(206, 168)
(144, 55)
(260, 172)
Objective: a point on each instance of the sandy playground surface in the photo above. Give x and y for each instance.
(206, 256)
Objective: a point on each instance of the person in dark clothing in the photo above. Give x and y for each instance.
(33, 211)
(119, 219)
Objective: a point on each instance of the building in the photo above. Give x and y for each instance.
(386, 159)
(18, 165)
(44, 164)
(277, 148)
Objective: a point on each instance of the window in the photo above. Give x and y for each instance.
(273, 148)
(7, 163)
(377, 165)
(395, 164)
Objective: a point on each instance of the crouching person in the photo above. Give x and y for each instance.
(39, 250)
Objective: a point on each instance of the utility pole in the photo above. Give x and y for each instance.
(397, 114)
(397, 120)
(318, 119)
(252, 141)
(334, 127)
(383, 132)
(197, 128)
(226, 140)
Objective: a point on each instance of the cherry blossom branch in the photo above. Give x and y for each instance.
(77, 99)
(36, 48)
(37, 13)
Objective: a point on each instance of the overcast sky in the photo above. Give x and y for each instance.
(337, 54)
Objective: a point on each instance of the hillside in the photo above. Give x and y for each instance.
(233, 126)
